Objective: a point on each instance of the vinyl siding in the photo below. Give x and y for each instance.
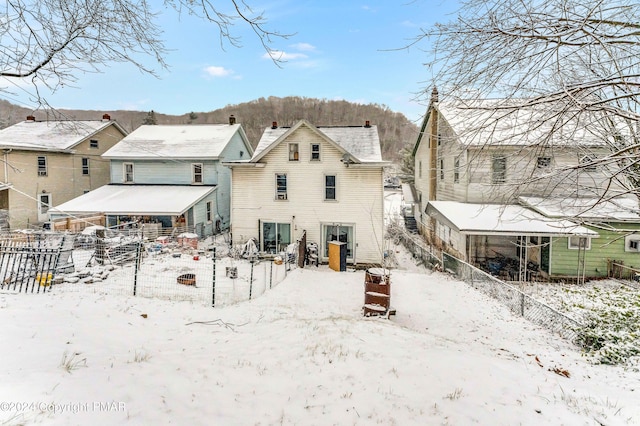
(359, 194)
(610, 245)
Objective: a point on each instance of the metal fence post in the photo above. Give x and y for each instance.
(270, 273)
(251, 280)
(213, 286)
(137, 267)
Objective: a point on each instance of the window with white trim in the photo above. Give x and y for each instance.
(498, 169)
(85, 166)
(543, 162)
(281, 186)
(197, 172)
(329, 187)
(456, 170)
(577, 242)
(42, 166)
(209, 211)
(93, 143)
(293, 152)
(128, 172)
(632, 243)
(315, 152)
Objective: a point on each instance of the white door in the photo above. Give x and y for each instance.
(44, 203)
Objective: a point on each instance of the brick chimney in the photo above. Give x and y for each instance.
(367, 123)
(274, 125)
(31, 118)
(106, 117)
(232, 120)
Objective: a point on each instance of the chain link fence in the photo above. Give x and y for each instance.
(517, 301)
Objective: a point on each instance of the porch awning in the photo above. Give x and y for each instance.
(135, 200)
(503, 219)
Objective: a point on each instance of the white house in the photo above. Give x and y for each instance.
(169, 174)
(327, 181)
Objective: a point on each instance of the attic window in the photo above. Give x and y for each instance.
(577, 242)
(543, 162)
(93, 143)
(293, 152)
(315, 152)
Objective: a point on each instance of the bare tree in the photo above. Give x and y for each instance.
(576, 60)
(50, 41)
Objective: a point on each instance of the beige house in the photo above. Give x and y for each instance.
(483, 169)
(50, 162)
(327, 181)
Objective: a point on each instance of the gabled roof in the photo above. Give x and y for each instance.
(362, 143)
(141, 200)
(586, 209)
(503, 122)
(177, 141)
(59, 135)
(501, 219)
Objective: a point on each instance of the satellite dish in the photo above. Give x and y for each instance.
(346, 158)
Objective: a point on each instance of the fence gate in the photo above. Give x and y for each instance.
(28, 262)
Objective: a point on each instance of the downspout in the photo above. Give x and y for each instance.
(6, 164)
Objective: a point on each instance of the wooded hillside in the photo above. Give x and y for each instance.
(395, 130)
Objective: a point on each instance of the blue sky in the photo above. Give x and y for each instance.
(340, 50)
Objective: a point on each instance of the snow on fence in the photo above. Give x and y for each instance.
(212, 276)
(517, 301)
(29, 261)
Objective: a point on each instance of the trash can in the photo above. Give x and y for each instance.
(338, 256)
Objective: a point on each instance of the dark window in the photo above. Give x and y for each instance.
(441, 169)
(329, 187)
(85, 166)
(499, 169)
(543, 162)
(128, 172)
(197, 173)
(456, 170)
(93, 143)
(281, 187)
(42, 166)
(315, 152)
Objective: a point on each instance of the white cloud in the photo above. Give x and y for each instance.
(305, 47)
(284, 56)
(213, 71)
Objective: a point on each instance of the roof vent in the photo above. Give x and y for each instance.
(31, 118)
(367, 123)
(106, 117)
(232, 120)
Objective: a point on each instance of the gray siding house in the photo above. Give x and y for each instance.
(168, 174)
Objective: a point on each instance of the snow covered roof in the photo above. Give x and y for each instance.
(504, 219)
(140, 200)
(176, 141)
(619, 209)
(361, 142)
(60, 135)
(496, 122)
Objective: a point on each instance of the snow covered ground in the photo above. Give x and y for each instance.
(300, 354)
